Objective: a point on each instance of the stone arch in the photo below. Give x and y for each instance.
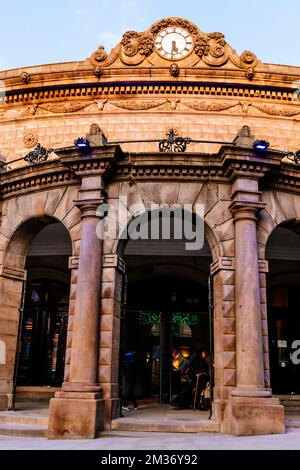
(210, 235)
(280, 208)
(140, 198)
(17, 246)
(113, 278)
(12, 284)
(56, 204)
(282, 251)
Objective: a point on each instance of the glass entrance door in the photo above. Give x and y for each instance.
(43, 336)
(164, 343)
(165, 316)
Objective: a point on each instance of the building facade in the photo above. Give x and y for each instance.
(70, 300)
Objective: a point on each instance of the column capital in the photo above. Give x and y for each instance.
(246, 210)
(88, 207)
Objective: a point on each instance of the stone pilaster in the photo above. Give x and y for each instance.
(112, 282)
(73, 266)
(251, 410)
(222, 272)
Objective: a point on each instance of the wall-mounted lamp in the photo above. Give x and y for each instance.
(261, 145)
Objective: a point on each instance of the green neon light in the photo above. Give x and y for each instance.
(178, 318)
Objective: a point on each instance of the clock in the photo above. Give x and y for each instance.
(173, 43)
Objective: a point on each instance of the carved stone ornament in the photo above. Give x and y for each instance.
(65, 107)
(209, 105)
(134, 43)
(25, 77)
(138, 105)
(99, 55)
(174, 70)
(99, 71)
(276, 110)
(30, 139)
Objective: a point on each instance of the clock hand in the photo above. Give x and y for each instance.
(174, 48)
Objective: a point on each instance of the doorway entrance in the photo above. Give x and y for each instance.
(41, 355)
(284, 331)
(283, 282)
(43, 334)
(166, 321)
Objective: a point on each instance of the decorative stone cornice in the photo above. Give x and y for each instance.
(96, 160)
(230, 164)
(48, 98)
(46, 175)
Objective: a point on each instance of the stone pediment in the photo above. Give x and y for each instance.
(174, 43)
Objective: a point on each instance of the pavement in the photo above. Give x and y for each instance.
(159, 441)
(128, 439)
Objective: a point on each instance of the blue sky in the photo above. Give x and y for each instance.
(37, 32)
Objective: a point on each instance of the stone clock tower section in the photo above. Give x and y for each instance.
(176, 40)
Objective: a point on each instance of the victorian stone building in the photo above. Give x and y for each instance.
(71, 301)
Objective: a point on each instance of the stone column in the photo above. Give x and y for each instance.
(85, 338)
(77, 411)
(249, 351)
(251, 408)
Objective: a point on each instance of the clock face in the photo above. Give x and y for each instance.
(173, 43)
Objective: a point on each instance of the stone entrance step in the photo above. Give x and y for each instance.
(164, 418)
(24, 430)
(169, 426)
(30, 420)
(290, 402)
(35, 394)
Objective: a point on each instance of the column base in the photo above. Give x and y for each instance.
(247, 416)
(75, 415)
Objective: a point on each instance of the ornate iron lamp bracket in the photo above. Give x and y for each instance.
(294, 157)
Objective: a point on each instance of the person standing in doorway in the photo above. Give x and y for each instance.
(129, 367)
(199, 365)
